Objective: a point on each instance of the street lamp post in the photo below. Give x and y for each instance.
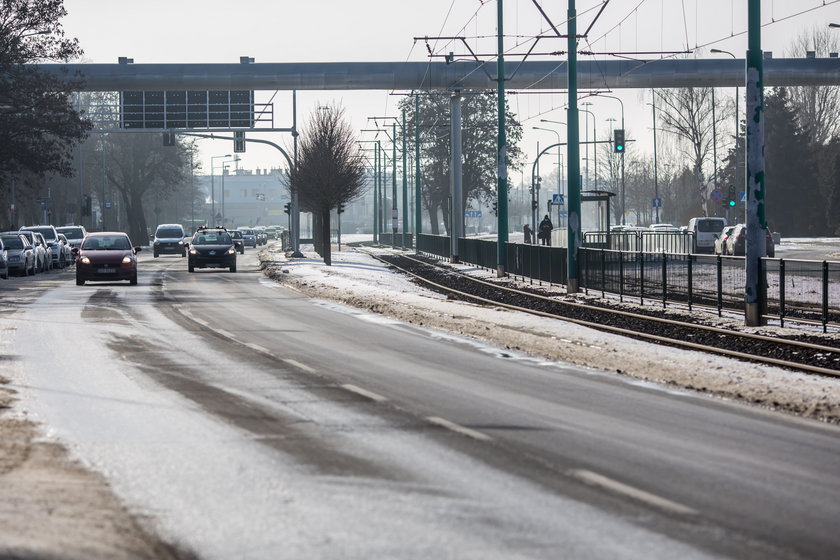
(559, 156)
(655, 174)
(595, 139)
(737, 126)
(213, 187)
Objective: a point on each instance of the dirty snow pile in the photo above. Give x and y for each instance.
(358, 280)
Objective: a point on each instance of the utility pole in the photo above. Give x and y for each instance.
(405, 182)
(655, 167)
(455, 176)
(418, 215)
(394, 213)
(502, 190)
(755, 292)
(572, 135)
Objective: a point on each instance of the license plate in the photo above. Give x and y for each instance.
(106, 270)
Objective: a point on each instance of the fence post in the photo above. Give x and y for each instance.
(664, 279)
(720, 285)
(641, 278)
(825, 295)
(603, 273)
(621, 276)
(690, 270)
(782, 292)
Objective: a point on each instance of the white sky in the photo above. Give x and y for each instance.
(383, 30)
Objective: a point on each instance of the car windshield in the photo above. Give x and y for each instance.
(247, 232)
(72, 233)
(13, 243)
(212, 238)
(236, 234)
(107, 243)
(48, 233)
(169, 232)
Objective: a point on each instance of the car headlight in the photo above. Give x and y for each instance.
(126, 259)
(180, 243)
(193, 252)
(85, 260)
(231, 251)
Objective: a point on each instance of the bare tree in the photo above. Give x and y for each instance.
(687, 113)
(330, 170)
(817, 107)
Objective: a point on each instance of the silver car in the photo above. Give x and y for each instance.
(43, 260)
(19, 253)
(54, 248)
(74, 234)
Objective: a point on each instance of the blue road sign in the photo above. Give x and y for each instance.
(558, 200)
(716, 195)
(743, 196)
(656, 202)
(472, 213)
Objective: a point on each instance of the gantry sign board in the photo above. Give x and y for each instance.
(187, 109)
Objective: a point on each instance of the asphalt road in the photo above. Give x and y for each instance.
(244, 419)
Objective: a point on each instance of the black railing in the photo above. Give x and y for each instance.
(389, 238)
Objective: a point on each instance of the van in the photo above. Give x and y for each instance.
(706, 230)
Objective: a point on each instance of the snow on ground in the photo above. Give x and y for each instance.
(357, 279)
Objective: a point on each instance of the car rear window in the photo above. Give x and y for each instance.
(48, 233)
(212, 239)
(709, 226)
(107, 243)
(72, 233)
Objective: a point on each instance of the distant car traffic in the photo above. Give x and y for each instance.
(169, 239)
(737, 242)
(238, 240)
(106, 256)
(212, 248)
(249, 236)
(720, 246)
(74, 234)
(706, 231)
(19, 253)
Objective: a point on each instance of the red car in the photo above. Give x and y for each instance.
(106, 256)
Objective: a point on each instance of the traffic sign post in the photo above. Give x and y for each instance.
(656, 202)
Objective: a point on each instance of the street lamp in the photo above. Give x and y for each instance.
(655, 174)
(737, 121)
(224, 167)
(595, 139)
(213, 186)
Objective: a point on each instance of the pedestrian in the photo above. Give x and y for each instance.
(529, 234)
(545, 230)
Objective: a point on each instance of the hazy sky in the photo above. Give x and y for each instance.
(383, 30)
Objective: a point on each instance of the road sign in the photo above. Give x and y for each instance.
(742, 196)
(656, 202)
(107, 205)
(716, 195)
(472, 213)
(558, 200)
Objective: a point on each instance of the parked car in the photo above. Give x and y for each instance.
(19, 253)
(664, 227)
(169, 239)
(721, 239)
(74, 234)
(107, 256)
(249, 236)
(706, 231)
(238, 240)
(67, 249)
(53, 247)
(4, 261)
(212, 248)
(737, 243)
(43, 260)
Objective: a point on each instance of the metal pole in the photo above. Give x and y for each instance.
(405, 182)
(714, 141)
(573, 156)
(754, 293)
(418, 215)
(376, 192)
(394, 213)
(655, 168)
(294, 206)
(455, 177)
(502, 190)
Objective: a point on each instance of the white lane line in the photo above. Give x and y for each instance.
(595, 479)
(258, 348)
(458, 428)
(297, 364)
(226, 334)
(364, 392)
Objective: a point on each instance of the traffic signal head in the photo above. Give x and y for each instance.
(288, 208)
(731, 200)
(618, 140)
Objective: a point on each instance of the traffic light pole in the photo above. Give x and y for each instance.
(573, 228)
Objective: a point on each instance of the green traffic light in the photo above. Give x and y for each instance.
(731, 203)
(620, 148)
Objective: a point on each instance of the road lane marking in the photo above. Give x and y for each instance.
(595, 479)
(226, 334)
(364, 392)
(299, 365)
(257, 347)
(458, 428)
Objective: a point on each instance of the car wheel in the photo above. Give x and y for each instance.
(191, 268)
(233, 268)
(133, 280)
(183, 254)
(79, 281)
(156, 254)
(31, 271)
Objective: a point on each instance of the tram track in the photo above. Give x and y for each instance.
(804, 353)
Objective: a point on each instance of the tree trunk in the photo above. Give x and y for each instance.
(136, 218)
(325, 237)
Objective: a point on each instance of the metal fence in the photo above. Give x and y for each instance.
(397, 241)
(649, 241)
(807, 291)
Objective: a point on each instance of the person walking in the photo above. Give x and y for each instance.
(545, 230)
(529, 234)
